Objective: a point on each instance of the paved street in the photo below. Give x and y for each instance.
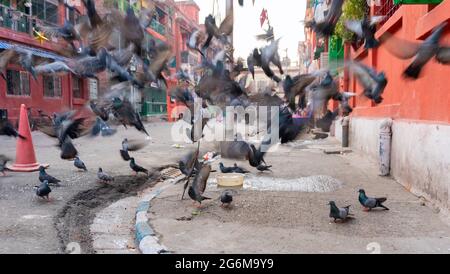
(259, 222)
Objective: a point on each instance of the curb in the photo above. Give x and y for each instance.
(145, 236)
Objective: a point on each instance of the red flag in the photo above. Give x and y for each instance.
(263, 17)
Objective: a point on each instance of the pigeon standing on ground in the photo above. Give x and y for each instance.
(43, 176)
(370, 203)
(339, 213)
(79, 164)
(136, 168)
(226, 198)
(3, 161)
(103, 177)
(43, 190)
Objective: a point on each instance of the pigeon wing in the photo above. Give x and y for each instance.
(355, 26)
(400, 48)
(443, 55)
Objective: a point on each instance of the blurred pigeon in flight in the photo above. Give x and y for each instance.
(422, 52)
(365, 29)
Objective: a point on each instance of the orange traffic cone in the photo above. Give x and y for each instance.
(25, 156)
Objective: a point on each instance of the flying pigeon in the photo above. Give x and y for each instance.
(422, 52)
(198, 186)
(370, 203)
(373, 82)
(365, 29)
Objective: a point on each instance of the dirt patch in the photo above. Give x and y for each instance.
(74, 219)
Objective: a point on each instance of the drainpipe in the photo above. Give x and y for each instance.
(385, 147)
(345, 130)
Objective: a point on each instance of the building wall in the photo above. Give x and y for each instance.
(36, 100)
(420, 109)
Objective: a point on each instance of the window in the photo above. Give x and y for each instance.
(72, 15)
(77, 87)
(52, 86)
(18, 83)
(46, 10)
(5, 3)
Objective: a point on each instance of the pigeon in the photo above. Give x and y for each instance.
(43, 190)
(103, 177)
(7, 128)
(226, 198)
(3, 161)
(326, 27)
(43, 176)
(187, 166)
(53, 68)
(198, 186)
(233, 169)
(100, 126)
(194, 41)
(370, 203)
(124, 111)
(270, 54)
(263, 168)
(79, 164)
(136, 168)
(99, 110)
(365, 29)
(373, 82)
(422, 52)
(224, 169)
(339, 213)
(66, 32)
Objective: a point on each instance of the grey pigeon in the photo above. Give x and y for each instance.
(226, 198)
(43, 190)
(326, 27)
(339, 213)
(263, 168)
(373, 82)
(198, 186)
(103, 177)
(365, 29)
(136, 168)
(79, 164)
(43, 176)
(3, 161)
(370, 203)
(422, 52)
(7, 128)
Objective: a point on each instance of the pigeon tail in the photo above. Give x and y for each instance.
(412, 71)
(371, 43)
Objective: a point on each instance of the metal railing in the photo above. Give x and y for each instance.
(18, 21)
(158, 27)
(387, 9)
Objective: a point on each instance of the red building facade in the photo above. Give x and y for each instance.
(47, 93)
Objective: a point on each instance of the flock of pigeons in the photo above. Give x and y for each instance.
(109, 43)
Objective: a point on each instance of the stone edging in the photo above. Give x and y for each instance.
(145, 236)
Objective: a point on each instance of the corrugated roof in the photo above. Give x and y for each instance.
(36, 51)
